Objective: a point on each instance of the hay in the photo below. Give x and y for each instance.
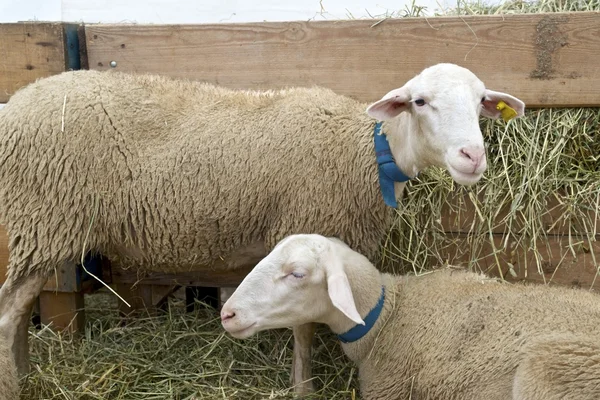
(549, 158)
(543, 177)
(176, 355)
(543, 181)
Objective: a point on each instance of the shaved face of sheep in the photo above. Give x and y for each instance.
(441, 107)
(274, 295)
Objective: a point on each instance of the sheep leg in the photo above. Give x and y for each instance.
(301, 361)
(17, 298)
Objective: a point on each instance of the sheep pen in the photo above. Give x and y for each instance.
(182, 355)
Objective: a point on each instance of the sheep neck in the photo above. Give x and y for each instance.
(403, 134)
(366, 282)
(358, 331)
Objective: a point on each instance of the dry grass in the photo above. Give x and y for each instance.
(550, 157)
(542, 185)
(176, 355)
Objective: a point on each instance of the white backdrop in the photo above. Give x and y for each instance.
(206, 11)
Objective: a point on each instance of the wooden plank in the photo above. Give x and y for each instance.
(63, 310)
(559, 264)
(28, 51)
(202, 277)
(545, 59)
(139, 298)
(160, 295)
(460, 215)
(67, 278)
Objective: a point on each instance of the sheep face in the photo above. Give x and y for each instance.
(440, 110)
(300, 281)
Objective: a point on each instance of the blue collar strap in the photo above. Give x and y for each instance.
(388, 170)
(361, 330)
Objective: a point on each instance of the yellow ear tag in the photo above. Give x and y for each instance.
(506, 111)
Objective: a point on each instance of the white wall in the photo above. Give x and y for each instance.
(25, 10)
(205, 11)
(216, 11)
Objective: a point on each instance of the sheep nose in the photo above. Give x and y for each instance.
(475, 155)
(227, 315)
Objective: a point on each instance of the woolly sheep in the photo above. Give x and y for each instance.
(9, 383)
(160, 174)
(449, 334)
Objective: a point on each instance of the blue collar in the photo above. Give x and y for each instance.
(361, 330)
(388, 170)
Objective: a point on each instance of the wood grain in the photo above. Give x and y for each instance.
(63, 310)
(67, 278)
(28, 51)
(147, 298)
(545, 59)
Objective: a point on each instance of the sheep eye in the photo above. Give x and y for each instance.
(483, 99)
(297, 275)
(420, 102)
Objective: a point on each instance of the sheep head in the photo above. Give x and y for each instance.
(435, 117)
(302, 280)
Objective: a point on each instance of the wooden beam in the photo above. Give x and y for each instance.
(28, 51)
(575, 265)
(139, 298)
(67, 278)
(203, 277)
(460, 215)
(143, 297)
(545, 59)
(63, 310)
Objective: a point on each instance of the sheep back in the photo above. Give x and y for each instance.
(461, 335)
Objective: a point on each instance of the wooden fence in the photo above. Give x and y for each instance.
(548, 60)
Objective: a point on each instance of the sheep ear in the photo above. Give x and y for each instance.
(339, 289)
(390, 105)
(492, 99)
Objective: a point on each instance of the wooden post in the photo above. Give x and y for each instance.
(62, 310)
(143, 298)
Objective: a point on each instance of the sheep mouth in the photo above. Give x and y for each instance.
(464, 178)
(242, 333)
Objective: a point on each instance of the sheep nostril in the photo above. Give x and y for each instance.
(466, 154)
(475, 155)
(227, 315)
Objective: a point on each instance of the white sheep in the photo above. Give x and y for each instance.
(449, 334)
(168, 175)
